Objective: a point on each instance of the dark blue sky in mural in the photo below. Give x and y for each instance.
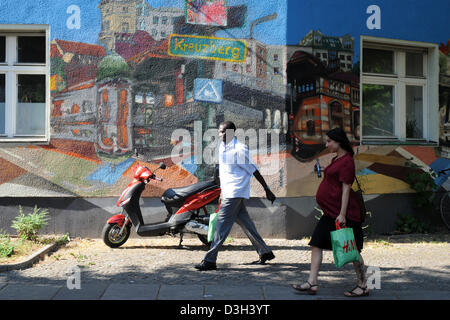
(414, 20)
(400, 19)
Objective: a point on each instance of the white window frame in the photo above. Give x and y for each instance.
(399, 80)
(12, 69)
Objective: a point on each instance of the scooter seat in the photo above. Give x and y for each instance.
(176, 195)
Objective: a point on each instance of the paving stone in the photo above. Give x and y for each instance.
(285, 293)
(423, 295)
(3, 284)
(90, 291)
(224, 292)
(117, 291)
(409, 270)
(181, 292)
(28, 292)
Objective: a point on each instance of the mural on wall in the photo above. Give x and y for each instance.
(133, 85)
(323, 70)
(444, 96)
(326, 91)
(207, 12)
(131, 90)
(325, 82)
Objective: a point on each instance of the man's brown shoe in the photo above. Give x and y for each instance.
(206, 266)
(265, 257)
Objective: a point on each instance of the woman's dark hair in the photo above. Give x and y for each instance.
(339, 135)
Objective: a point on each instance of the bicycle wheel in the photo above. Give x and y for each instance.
(445, 209)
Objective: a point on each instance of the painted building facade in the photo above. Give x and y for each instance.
(92, 82)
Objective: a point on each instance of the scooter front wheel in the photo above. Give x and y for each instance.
(112, 237)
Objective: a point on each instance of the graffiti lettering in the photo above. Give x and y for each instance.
(374, 21)
(74, 21)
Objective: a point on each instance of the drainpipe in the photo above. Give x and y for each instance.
(261, 20)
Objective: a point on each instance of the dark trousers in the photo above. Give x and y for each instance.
(232, 210)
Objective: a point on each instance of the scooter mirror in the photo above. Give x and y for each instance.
(162, 166)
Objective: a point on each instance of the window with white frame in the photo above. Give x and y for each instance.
(24, 83)
(399, 81)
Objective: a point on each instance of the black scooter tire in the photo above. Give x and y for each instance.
(106, 235)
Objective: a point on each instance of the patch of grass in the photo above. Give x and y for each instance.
(381, 242)
(433, 238)
(407, 223)
(6, 246)
(28, 225)
(23, 248)
(63, 240)
(58, 257)
(79, 257)
(229, 240)
(82, 259)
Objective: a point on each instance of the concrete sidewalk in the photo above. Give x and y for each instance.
(127, 291)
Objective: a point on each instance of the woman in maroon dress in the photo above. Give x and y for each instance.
(338, 203)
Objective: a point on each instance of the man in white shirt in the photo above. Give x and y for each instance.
(235, 171)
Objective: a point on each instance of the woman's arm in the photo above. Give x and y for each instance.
(344, 203)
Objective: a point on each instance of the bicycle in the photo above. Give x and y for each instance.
(445, 203)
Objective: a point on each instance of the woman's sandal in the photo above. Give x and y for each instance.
(309, 289)
(352, 294)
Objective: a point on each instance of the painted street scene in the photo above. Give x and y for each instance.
(136, 132)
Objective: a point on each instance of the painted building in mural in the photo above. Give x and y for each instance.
(92, 82)
(158, 22)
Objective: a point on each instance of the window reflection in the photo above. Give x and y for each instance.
(31, 49)
(2, 49)
(378, 115)
(30, 113)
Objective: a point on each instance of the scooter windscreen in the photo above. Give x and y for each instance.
(142, 173)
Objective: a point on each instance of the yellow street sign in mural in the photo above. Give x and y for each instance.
(210, 48)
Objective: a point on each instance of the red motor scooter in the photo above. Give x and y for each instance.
(190, 216)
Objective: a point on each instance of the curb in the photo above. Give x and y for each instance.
(30, 260)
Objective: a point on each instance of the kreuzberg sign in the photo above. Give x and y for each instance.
(210, 48)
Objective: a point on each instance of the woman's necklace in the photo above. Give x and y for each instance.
(340, 156)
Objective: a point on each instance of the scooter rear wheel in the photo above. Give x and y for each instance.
(111, 235)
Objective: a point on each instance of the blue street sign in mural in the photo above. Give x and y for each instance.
(208, 90)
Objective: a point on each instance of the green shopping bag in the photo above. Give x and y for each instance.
(212, 226)
(344, 246)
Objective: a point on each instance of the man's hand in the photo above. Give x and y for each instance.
(270, 196)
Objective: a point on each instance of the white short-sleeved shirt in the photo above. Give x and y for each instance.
(235, 170)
